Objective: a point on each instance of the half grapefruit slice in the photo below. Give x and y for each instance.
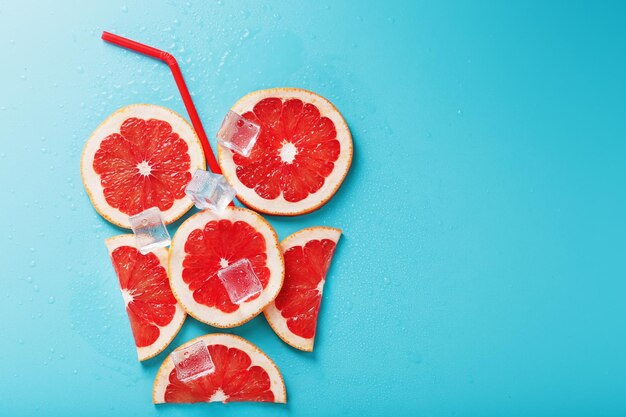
(293, 314)
(242, 373)
(207, 242)
(301, 157)
(154, 314)
(141, 156)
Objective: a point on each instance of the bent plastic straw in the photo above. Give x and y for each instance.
(182, 87)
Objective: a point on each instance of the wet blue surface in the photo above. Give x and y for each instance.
(481, 269)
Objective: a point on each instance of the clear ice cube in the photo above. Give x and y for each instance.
(210, 191)
(149, 229)
(240, 281)
(193, 361)
(238, 133)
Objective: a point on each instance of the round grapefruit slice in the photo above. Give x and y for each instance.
(242, 373)
(301, 157)
(293, 314)
(207, 242)
(141, 156)
(154, 314)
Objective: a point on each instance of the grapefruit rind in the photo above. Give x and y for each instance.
(280, 206)
(110, 125)
(273, 316)
(247, 310)
(167, 333)
(258, 357)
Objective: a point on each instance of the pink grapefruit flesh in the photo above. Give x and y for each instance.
(293, 314)
(154, 313)
(242, 373)
(208, 242)
(141, 156)
(301, 157)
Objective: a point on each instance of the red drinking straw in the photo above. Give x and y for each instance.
(182, 87)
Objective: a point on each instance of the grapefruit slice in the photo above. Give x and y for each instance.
(207, 242)
(301, 157)
(293, 314)
(141, 156)
(242, 373)
(154, 314)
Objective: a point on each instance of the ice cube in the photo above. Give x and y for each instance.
(192, 361)
(149, 229)
(210, 191)
(238, 133)
(240, 281)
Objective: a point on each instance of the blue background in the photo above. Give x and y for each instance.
(482, 267)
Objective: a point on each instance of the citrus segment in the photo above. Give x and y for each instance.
(141, 156)
(293, 314)
(242, 373)
(301, 157)
(206, 243)
(154, 313)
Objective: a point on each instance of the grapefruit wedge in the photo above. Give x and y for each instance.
(242, 373)
(293, 314)
(154, 314)
(207, 242)
(141, 156)
(301, 157)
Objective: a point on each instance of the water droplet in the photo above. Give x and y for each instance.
(459, 112)
(80, 69)
(33, 263)
(124, 9)
(51, 300)
(36, 288)
(75, 371)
